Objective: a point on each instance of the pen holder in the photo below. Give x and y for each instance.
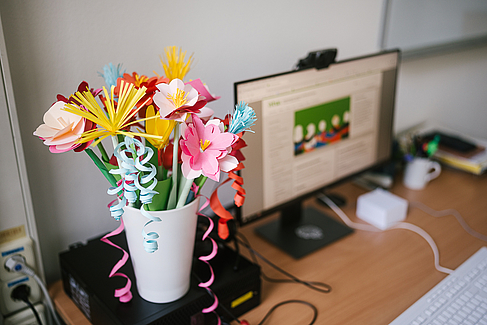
(419, 172)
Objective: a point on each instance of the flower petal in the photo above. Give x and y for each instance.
(45, 131)
(186, 169)
(228, 163)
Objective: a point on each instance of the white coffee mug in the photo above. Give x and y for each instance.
(419, 172)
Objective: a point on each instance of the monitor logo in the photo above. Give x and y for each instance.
(309, 232)
(275, 103)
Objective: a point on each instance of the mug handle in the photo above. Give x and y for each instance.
(436, 170)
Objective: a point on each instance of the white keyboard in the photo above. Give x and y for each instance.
(461, 298)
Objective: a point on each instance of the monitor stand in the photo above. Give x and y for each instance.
(299, 232)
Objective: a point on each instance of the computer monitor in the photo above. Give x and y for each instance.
(315, 128)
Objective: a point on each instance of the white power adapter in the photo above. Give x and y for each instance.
(381, 208)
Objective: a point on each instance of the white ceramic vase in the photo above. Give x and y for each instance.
(162, 276)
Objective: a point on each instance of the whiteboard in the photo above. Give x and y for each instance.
(421, 26)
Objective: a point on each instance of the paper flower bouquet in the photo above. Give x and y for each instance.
(165, 143)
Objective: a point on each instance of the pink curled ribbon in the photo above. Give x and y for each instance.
(123, 294)
(206, 259)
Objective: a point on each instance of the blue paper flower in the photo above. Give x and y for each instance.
(111, 74)
(243, 118)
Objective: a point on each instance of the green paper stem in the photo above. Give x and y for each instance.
(104, 155)
(159, 201)
(161, 173)
(109, 167)
(200, 181)
(111, 179)
(115, 144)
(183, 196)
(182, 184)
(154, 160)
(174, 190)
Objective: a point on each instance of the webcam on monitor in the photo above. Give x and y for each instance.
(317, 59)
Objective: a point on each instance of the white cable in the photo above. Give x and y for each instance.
(16, 263)
(344, 217)
(48, 298)
(401, 225)
(447, 212)
(431, 242)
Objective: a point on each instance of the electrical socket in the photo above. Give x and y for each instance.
(7, 304)
(26, 317)
(22, 246)
(10, 280)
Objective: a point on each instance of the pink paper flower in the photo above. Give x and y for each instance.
(203, 90)
(175, 100)
(205, 149)
(61, 129)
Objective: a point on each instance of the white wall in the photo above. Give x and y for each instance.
(53, 45)
(449, 88)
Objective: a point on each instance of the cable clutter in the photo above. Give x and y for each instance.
(409, 226)
(317, 286)
(240, 239)
(17, 264)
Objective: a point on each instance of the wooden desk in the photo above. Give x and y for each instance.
(374, 276)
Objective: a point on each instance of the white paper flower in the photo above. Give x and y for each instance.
(175, 100)
(61, 129)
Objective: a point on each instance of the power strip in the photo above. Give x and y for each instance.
(26, 317)
(22, 247)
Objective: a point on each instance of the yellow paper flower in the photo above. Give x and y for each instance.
(158, 126)
(176, 68)
(119, 115)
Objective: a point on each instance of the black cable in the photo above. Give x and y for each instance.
(315, 311)
(22, 292)
(314, 285)
(317, 286)
(31, 306)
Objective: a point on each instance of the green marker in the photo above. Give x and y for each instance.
(433, 145)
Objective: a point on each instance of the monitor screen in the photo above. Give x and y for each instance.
(314, 129)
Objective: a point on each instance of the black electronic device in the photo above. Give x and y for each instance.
(451, 142)
(315, 128)
(85, 270)
(317, 59)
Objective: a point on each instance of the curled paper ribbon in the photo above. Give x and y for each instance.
(150, 242)
(239, 198)
(206, 259)
(116, 209)
(142, 164)
(127, 172)
(237, 185)
(136, 171)
(123, 294)
(134, 162)
(146, 194)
